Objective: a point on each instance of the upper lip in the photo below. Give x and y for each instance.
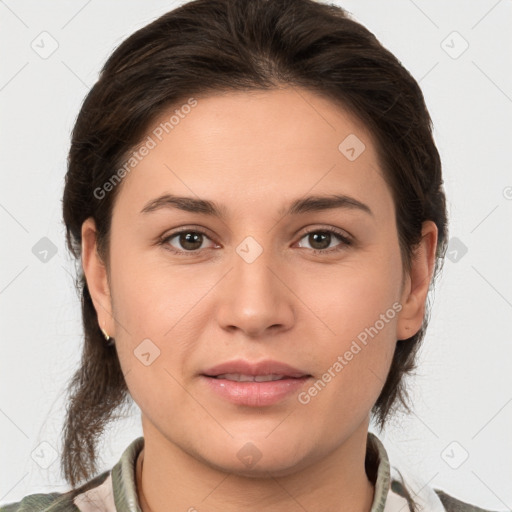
(265, 367)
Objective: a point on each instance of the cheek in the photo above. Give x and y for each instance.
(144, 308)
(355, 340)
(152, 315)
(161, 313)
(147, 298)
(350, 298)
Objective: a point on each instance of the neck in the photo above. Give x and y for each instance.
(169, 479)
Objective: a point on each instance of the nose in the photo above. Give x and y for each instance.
(254, 296)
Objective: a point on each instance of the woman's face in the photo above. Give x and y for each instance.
(247, 286)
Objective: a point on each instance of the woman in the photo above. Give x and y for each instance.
(256, 198)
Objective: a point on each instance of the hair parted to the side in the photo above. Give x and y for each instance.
(208, 46)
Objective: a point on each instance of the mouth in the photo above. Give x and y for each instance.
(254, 384)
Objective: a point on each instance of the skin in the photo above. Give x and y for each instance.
(253, 153)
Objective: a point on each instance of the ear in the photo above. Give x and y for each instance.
(95, 273)
(417, 283)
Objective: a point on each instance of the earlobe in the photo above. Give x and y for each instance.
(417, 283)
(95, 273)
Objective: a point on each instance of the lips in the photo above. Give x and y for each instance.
(260, 384)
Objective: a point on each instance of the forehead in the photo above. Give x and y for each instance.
(249, 146)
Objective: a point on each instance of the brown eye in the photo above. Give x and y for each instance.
(185, 241)
(320, 240)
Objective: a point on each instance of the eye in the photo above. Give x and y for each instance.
(320, 240)
(187, 241)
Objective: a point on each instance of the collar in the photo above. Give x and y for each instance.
(119, 492)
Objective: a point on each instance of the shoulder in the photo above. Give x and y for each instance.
(54, 501)
(402, 481)
(114, 489)
(452, 504)
(40, 502)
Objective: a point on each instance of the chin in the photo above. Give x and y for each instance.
(262, 469)
(257, 459)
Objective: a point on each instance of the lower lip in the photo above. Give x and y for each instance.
(255, 394)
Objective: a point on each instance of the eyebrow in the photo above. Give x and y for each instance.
(211, 208)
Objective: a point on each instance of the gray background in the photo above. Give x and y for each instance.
(463, 390)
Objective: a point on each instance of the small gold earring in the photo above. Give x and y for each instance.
(107, 337)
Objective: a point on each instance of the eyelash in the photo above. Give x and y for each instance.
(345, 241)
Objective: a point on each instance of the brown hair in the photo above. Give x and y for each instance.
(227, 45)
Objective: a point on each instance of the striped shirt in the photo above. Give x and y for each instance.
(115, 489)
